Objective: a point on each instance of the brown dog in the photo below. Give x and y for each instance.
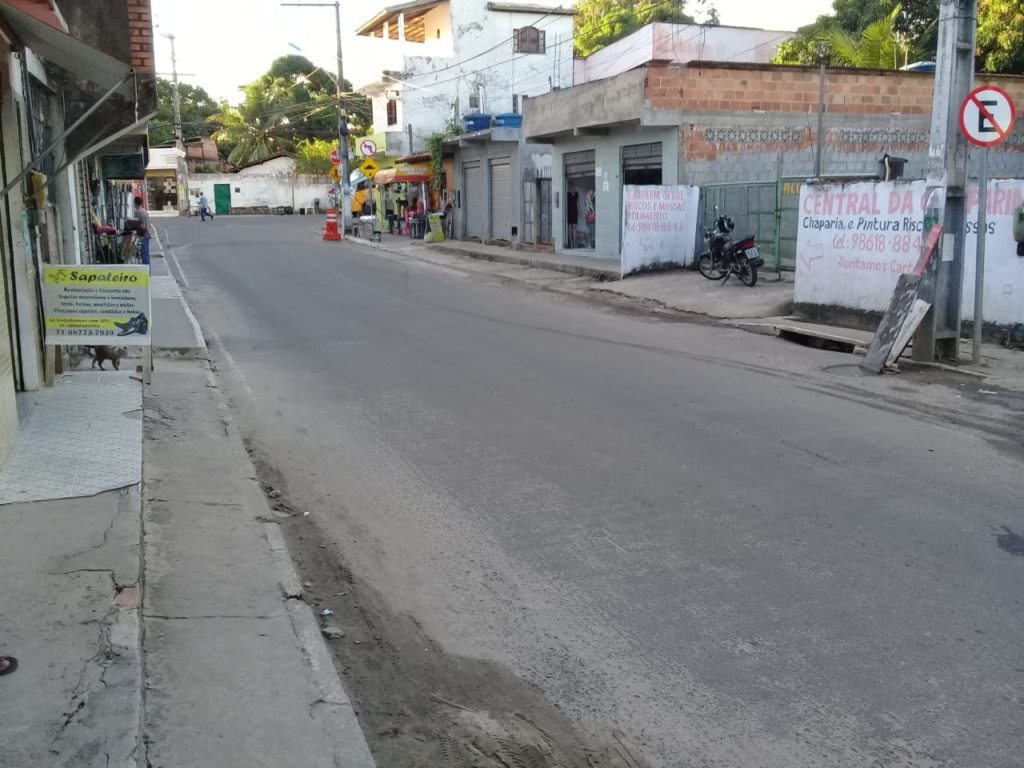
(113, 354)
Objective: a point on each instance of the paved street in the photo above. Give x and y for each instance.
(707, 547)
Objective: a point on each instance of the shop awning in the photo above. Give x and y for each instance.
(404, 173)
(67, 52)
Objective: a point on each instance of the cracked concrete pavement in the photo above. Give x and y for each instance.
(69, 614)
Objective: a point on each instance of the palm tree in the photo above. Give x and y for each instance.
(878, 46)
(263, 124)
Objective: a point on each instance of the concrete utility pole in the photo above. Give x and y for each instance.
(822, 50)
(343, 164)
(178, 137)
(938, 336)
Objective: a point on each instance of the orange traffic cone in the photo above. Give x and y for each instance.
(331, 230)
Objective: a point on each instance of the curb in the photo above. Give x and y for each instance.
(333, 705)
(602, 275)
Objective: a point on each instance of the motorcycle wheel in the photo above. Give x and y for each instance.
(748, 275)
(706, 266)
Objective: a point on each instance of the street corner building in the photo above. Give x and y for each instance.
(77, 89)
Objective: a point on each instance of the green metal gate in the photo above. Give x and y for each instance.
(768, 210)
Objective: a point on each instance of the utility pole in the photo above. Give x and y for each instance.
(178, 138)
(342, 115)
(822, 50)
(938, 336)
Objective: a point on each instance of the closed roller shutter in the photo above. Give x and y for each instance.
(502, 213)
(472, 200)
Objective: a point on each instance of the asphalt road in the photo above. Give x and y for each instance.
(698, 536)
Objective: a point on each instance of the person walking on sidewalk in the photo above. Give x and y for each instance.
(8, 664)
(204, 207)
(142, 228)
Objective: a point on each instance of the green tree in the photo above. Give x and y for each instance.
(808, 45)
(293, 101)
(1001, 36)
(877, 47)
(311, 84)
(314, 155)
(601, 22)
(196, 106)
(260, 126)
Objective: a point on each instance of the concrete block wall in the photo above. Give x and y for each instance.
(749, 123)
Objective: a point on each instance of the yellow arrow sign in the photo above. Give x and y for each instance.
(369, 168)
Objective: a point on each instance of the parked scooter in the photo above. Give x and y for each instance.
(726, 257)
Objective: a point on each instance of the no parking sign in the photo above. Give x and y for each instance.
(987, 116)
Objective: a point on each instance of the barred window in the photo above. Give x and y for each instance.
(392, 112)
(528, 40)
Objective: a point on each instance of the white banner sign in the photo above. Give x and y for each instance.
(855, 240)
(659, 225)
(97, 304)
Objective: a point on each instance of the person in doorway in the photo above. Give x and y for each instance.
(204, 207)
(389, 210)
(142, 227)
(572, 215)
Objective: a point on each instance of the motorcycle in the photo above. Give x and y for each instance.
(725, 257)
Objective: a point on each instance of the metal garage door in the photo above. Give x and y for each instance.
(502, 213)
(472, 198)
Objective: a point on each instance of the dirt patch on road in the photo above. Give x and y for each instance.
(420, 707)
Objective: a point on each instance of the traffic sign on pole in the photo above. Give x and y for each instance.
(368, 147)
(987, 116)
(334, 157)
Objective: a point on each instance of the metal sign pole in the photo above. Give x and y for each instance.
(979, 261)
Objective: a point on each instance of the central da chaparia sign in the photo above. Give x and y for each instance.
(97, 304)
(659, 226)
(855, 240)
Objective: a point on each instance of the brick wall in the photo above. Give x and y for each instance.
(738, 87)
(140, 32)
(751, 123)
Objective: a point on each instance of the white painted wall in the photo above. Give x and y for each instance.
(855, 240)
(253, 190)
(679, 43)
(481, 39)
(278, 166)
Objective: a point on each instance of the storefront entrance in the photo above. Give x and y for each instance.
(580, 200)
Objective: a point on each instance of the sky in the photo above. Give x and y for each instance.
(221, 44)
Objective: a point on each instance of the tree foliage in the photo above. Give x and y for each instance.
(915, 28)
(877, 47)
(196, 106)
(294, 101)
(313, 156)
(1001, 36)
(599, 23)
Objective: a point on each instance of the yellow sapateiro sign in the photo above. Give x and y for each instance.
(97, 304)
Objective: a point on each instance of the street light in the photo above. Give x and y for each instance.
(342, 117)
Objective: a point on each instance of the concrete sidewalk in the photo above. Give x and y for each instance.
(237, 670)
(70, 615)
(674, 290)
(175, 329)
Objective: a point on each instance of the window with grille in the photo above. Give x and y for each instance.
(474, 103)
(528, 40)
(392, 112)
